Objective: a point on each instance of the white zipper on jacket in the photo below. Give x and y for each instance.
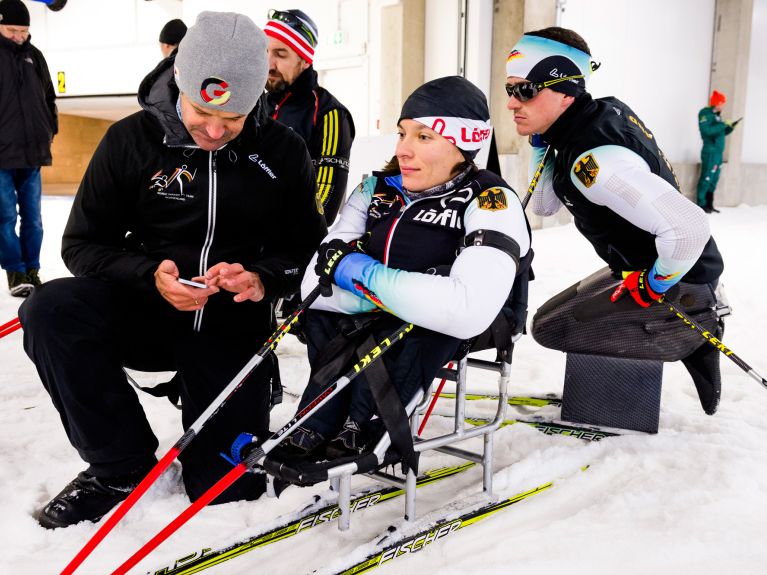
(212, 193)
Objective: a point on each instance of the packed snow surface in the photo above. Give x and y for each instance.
(691, 499)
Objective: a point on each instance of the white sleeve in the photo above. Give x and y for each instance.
(622, 181)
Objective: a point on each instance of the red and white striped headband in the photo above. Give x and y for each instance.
(287, 35)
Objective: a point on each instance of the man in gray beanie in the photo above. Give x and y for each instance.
(196, 185)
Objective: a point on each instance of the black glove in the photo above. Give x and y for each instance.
(329, 255)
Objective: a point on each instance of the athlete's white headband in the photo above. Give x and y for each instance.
(540, 59)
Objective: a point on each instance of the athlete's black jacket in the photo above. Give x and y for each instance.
(28, 117)
(250, 202)
(590, 123)
(327, 128)
(418, 273)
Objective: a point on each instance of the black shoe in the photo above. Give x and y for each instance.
(86, 498)
(707, 209)
(18, 284)
(703, 366)
(350, 441)
(33, 277)
(303, 442)
(713, 209)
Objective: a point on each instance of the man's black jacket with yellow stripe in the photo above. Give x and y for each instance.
(327, 128)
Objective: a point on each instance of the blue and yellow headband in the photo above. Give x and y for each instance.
(540, 59)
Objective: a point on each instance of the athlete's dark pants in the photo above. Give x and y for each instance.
(80, 332)
(411, 364)
(582, 319)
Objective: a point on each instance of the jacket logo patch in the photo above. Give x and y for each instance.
(448, 218)
(586, 170)
(163, 184)
(255, 159)
(379, 206)
(492, 199)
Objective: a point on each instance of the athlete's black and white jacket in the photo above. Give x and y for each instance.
(611, 175)
(151, 194)
(421, 277)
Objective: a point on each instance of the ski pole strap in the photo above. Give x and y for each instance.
(390, 409)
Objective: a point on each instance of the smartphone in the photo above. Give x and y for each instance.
(191, 283)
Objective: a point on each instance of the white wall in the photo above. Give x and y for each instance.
(656, 58)
(755, 118)
(104, 47)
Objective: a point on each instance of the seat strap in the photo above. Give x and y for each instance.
(390, 407)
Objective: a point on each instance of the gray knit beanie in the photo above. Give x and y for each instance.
(221, 62)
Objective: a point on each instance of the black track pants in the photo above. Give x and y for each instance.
(80, 332)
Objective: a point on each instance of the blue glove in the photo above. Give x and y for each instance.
(356, 268)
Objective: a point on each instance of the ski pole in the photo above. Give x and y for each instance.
(534, 181)
(257, 456)
(713, 340)
(10, 327)
(433, 401)
(190, 433)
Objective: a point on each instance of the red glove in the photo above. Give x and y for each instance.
(637, 285)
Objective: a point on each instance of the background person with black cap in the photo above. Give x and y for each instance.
(609, 172)
(196, 185)
(171, 35)
(394, 250)
(29, 121)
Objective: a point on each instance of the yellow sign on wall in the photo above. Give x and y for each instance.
(62, 79)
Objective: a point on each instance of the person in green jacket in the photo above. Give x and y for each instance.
(713, 130)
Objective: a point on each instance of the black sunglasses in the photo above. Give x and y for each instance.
(292, 21)
(525, 91)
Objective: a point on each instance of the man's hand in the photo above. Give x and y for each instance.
(236, 279)
(637, 285)
(329, 255)
(183, 298)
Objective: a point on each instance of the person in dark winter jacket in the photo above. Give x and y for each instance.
(294, 98)
(171, 35)
(28, 122)
(197, 185)
(394, 255)
(609, 172)
(713, 131)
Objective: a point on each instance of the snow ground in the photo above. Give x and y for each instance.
(691, 499)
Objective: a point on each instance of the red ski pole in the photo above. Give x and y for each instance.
(10, 327)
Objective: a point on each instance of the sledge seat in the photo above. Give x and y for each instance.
(383, 455)
(622, 393)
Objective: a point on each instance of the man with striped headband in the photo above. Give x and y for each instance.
(296, 99)
(604, 165)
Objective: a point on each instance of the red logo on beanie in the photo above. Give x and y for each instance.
(215, 91)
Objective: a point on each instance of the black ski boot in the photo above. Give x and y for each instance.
(86, 498)
(349, 441)
(302, 443)
(703, 366)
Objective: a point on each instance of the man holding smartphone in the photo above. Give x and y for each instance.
(201, 186)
